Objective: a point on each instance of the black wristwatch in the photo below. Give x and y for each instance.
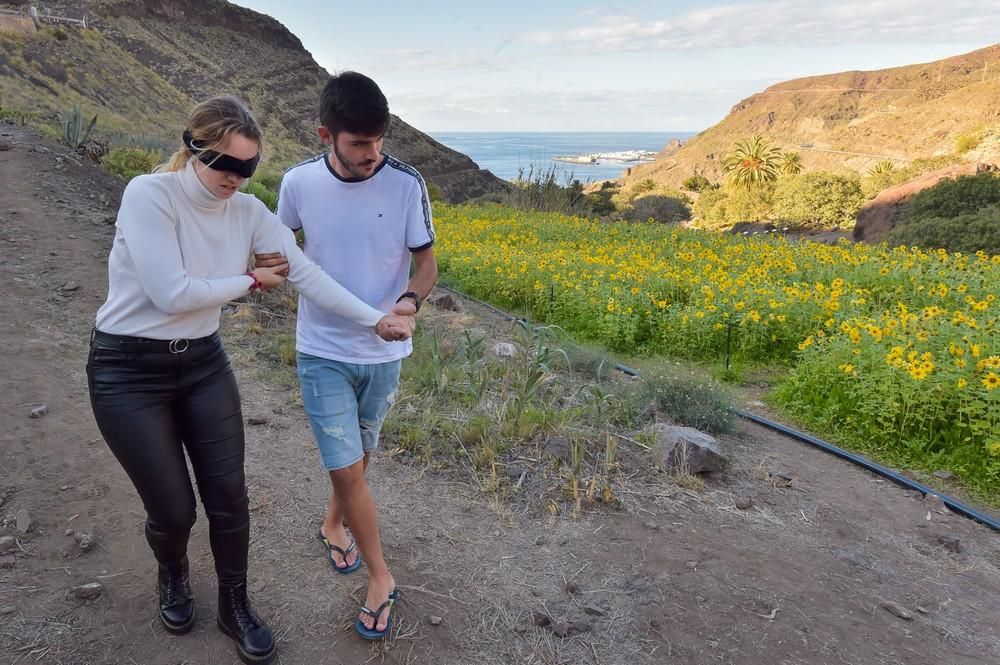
(411, 294)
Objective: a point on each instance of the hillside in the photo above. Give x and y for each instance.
(145, 63)
(901, 113)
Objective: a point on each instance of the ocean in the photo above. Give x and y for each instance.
(505, 154)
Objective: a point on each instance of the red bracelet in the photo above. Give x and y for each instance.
(257, 285)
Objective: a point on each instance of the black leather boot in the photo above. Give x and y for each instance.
(253, 637)
(176, 599)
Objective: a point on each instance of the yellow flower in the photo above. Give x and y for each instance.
(805, 343)
(962, 383)
(976, 350)
(991, 381)
(847, 368)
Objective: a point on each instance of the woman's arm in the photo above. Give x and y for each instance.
(148, 225)
(307, 277)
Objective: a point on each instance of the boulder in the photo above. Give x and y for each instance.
(880, 215)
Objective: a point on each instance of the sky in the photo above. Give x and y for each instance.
(557, 65)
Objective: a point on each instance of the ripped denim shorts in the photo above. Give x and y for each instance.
(346, 404)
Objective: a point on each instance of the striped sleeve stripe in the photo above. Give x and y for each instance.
(424, 197)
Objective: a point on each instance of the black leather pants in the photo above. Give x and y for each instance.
(152, 401)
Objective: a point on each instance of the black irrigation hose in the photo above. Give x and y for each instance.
(954, 505)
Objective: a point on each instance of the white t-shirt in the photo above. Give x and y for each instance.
(361, 233)
(180, 253)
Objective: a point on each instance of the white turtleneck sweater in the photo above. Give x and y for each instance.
(180, 253)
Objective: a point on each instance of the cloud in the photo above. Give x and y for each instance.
(784, 23)
(595, 109)
(434, 60)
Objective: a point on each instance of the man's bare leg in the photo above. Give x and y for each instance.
(354, 500)
(333, 527)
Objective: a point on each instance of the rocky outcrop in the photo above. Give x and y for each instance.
(149, 61)
(880, 215)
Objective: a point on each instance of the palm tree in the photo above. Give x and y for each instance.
(753, 162)
(790, 163)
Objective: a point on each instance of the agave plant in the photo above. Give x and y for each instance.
(753, 162)
(790, 163)
(883, 167)
(74, 133)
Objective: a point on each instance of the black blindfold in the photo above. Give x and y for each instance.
(219, 161)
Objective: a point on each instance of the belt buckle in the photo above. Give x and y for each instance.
(178, 346)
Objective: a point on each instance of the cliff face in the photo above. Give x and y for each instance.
(147, 62)
(851, 120)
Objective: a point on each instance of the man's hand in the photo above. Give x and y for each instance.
(271, 261)
(395, 328)
(404, 307)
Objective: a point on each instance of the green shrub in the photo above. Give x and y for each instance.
(268, 196)
(697, 183)
(541, 192)
(881, 178)
(707, 200)
(434, 192)
(736, 204)
(951, 198)
(601, 201)
(130, 162)
(967, 142)
(969, 233)
(687, 399)
(819, 199)
(665, 209)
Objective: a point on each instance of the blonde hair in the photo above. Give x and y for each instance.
(211, 123)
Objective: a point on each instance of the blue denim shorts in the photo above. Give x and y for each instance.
(346, 404)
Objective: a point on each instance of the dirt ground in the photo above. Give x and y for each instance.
(675, 576)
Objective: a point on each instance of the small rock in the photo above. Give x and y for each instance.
(84, 539)
(744, 502)
(4, 146)
(654, 623)
(69, 286)
(7, 562)
(23, 521)
(559, 447)
(7, 609)
(951, 543)
(447, 301)
(572, 587)
(541, 619)
(651, 525)
(687, 450)
(7, 543)
(898, 610)
(504, 350)
(595, 610)
(580, 626)
(540, 541)
(434, 620)
(923, 610)
(39, 411)
(942, 474)
(258, 420)
(68, 532)
(561, 629)
(936, 504)
(72, 236)
(63, 488)
(90, 591)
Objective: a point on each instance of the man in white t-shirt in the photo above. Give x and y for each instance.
(365, 216)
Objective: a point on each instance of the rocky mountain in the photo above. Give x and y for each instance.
(852, 120)
(142, 64)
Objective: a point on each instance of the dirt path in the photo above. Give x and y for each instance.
(674, 577)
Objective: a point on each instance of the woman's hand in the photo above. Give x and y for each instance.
(271, 278)
(270, 261)
(395, 328)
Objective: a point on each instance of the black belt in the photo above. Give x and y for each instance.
(128, 344)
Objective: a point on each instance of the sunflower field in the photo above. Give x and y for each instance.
(891, 350)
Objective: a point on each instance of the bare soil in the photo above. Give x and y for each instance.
(673, 576)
